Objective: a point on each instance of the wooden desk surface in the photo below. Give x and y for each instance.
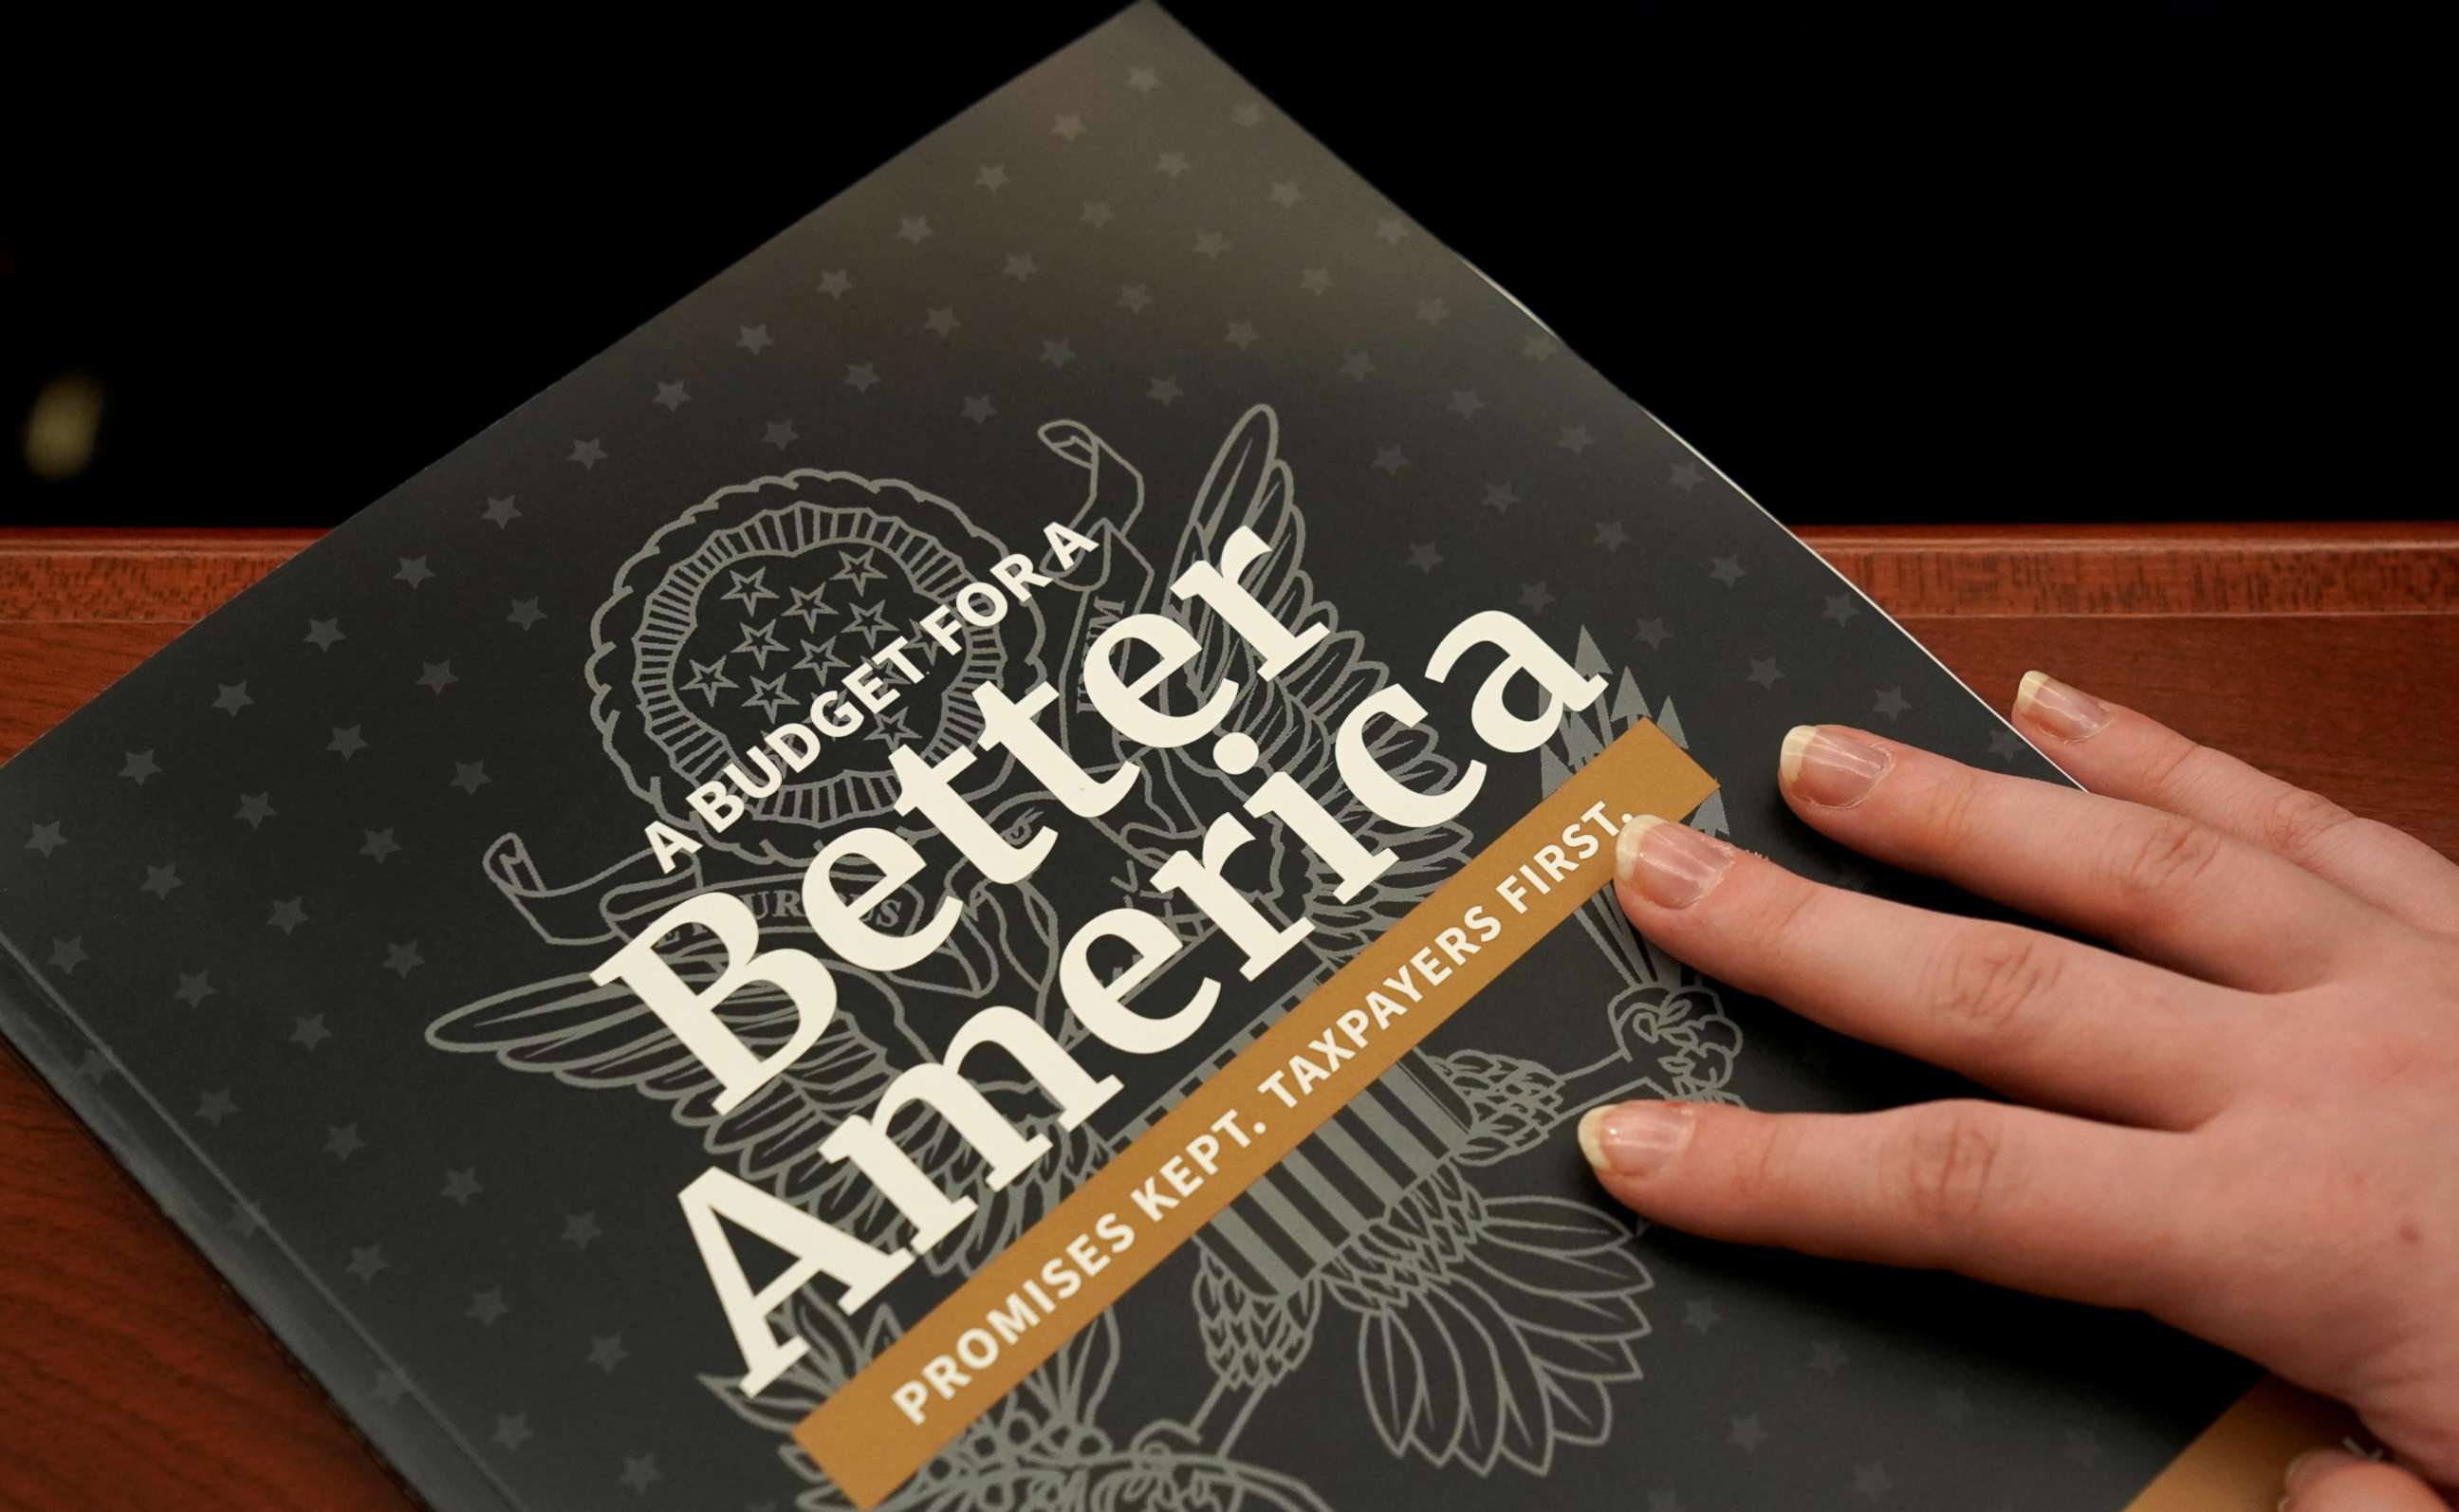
(131, 1377)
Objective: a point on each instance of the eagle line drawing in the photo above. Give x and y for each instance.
(1484, 1327)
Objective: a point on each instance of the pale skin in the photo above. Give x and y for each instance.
(2242, 1116)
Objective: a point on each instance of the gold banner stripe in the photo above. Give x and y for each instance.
(2239, 1461)
(869, 1445)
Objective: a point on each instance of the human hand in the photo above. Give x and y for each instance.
(2250, 1128)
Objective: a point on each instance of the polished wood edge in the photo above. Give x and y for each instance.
(2005, 572)
(2274, 570)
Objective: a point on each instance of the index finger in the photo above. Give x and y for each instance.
(2016, 1196)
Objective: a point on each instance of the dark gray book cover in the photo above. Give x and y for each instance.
(313, 917)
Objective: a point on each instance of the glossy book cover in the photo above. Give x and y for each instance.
(966, 872)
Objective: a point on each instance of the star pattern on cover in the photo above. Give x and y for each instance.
(1256, 258)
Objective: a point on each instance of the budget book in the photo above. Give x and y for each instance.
(968, 873)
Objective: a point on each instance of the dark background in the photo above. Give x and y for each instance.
(2071, 267)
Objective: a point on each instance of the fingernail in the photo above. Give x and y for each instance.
(1671, 865)
(1830, 767)
(1635, 1139)
(2067, 713)
(2309, 1467)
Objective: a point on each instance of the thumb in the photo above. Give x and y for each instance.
(2333, 1480)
